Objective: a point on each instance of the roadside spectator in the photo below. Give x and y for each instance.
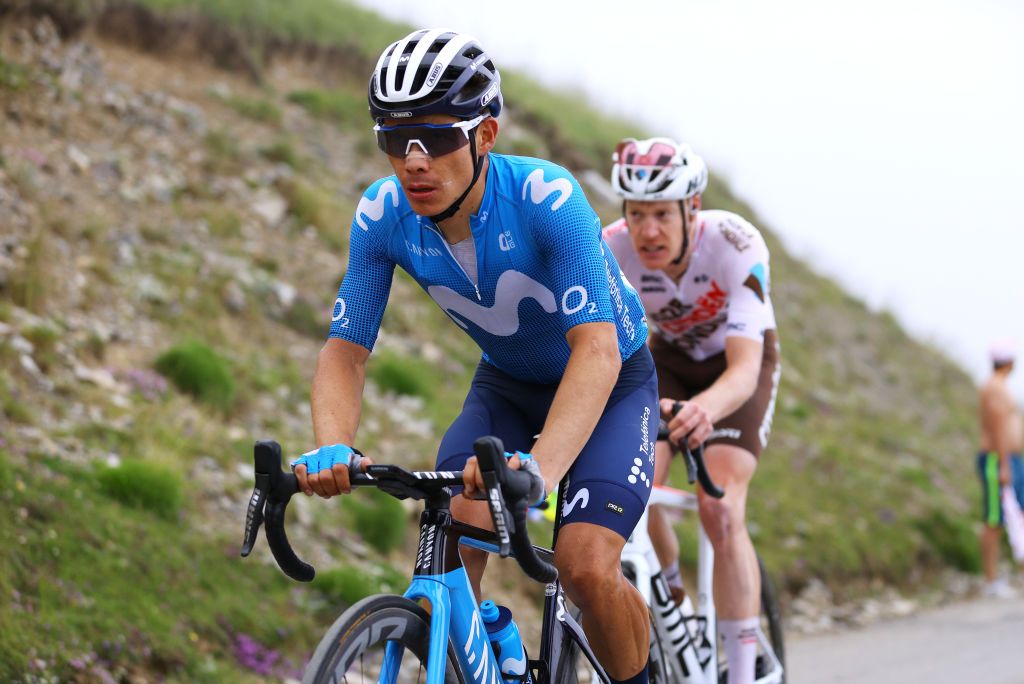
(999, 462)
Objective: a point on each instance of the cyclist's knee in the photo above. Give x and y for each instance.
(588, 568)
(586, 581)
(721, 519)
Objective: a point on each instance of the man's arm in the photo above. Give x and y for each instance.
(739, 381)
(730, 391)
(590, 376)
(336, 402)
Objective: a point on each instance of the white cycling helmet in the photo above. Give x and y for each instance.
(657, 169)
(434, 71)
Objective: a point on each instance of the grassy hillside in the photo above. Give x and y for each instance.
(176, 182)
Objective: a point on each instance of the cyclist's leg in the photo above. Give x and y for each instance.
(670, 363)
(490, 409)
(663, 537)
(608, 488)
(731, 454)
(736, 576)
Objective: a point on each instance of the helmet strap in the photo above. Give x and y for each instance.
(478, 165)
(686, 235)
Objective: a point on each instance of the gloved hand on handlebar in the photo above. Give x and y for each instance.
(474, 482)
(325, 470)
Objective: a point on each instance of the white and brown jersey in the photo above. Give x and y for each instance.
(724, 292)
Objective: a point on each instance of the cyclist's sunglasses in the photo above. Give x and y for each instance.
(659, 155)
(436, 140)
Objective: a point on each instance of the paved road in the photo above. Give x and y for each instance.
(980, 641)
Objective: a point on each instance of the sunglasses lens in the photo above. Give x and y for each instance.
(436, 142)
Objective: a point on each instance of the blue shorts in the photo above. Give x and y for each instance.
(611, 478)
(991, 501)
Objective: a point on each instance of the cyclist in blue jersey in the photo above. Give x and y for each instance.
(510, 249)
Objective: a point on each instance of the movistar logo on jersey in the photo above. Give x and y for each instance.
(374, 208)
(539, 189)
(503, 318)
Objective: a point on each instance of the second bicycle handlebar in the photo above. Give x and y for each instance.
(696, 468)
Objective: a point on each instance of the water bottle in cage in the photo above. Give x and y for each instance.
(506, 642)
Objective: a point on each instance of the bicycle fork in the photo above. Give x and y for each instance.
(679, 630)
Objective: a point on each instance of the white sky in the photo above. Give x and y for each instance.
(882, 140)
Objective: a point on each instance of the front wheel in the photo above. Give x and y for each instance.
(354, 649)
(771, 625)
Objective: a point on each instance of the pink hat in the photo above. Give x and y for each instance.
(1002, 350)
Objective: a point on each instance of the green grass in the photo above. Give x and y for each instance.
(325, 22)
(198, 370)
(282, 151)
(31, 282)
(44, 339)
(223, 153)
(88, 581)
(402, 374)
(255, 108)
(379, 518)
(343, 586)
(144, 485)
(575, 133)
(343, 107)
(314, 206)
(13, 76)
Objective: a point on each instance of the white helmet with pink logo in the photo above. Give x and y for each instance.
(657, 169)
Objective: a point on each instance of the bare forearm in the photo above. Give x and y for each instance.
(728, 393)
(336, 399)
(578, 404)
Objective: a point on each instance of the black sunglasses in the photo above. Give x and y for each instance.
(436, 140)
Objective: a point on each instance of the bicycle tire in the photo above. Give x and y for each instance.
(352, 649)
(772, 615)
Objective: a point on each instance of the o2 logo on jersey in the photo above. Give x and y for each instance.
(505, 241)
(575, 299)
(374, 208)
(540, 189)
(339, 313)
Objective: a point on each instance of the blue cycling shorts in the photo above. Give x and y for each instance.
(610, 481)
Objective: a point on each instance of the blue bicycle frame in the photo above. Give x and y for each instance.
(440, 578)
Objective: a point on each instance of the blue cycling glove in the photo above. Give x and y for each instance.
(327, 456)
(528, 465)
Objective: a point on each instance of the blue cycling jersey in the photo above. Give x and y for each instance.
(542, 268)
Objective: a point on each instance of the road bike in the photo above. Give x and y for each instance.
(391, 638)
(684, 642)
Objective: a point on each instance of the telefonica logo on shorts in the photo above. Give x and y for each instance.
(539, 189)
(502, 318)
(374, 208)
